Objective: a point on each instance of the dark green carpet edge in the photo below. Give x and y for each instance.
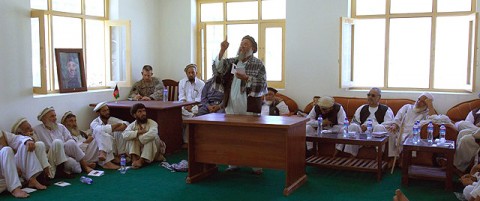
(157, 183)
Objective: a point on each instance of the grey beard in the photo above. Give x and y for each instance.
(242, 56)
(74, 131)
(419, 109)
(52, 126)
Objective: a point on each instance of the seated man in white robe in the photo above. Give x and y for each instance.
(85, 141)
(405, 119)
(333, 116)
(107, 132)
(8, 173)
(22, 127)
(143, 142)
(26, 160)
(189, 89)
(468, 140)
(376, 112)
(54, 134)
(273, 105)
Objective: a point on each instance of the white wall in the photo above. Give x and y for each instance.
(163, 36)
(312, 53)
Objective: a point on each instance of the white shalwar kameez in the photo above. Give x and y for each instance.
(90, 149)
(111, 142)
(8, 171)
(25, 160)
(148, 145)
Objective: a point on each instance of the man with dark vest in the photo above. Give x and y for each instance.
(274, 106)
(376, 112)
(332, 113)
(468, 140)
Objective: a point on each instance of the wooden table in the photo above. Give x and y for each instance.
(168, 115)
(274, 142)
(350, 163)
(424, 172)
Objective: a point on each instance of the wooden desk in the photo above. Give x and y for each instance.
(349, 163)
(168, 115)
(274, 142)
(423, 172)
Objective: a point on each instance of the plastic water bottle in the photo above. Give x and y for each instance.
(123, 164)
(165, 95)
(430, 133)
(86, 180)
(416, 136)
(345, 127)
(320, 125)
(443, 131)
(369, 126)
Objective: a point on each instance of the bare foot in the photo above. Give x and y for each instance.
(88, 169)
(399, 196)
(116, 160)
(138, 163)
(33, 183)
(102, 156)
(18, 193)
(110, 166)
(92, 165)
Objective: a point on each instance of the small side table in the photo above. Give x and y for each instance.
(424, 172)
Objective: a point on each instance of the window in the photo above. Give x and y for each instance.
(78, 24)
(409, 45)
(262, 19)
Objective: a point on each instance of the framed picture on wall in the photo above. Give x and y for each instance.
(70, 70)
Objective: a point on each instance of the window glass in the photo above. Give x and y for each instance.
(95, 7)
(95, 54)
(211, 12)
(274, 9)
(235, 34)
(273, 53)
(214, 37)
(242, 10)
(405, 6)
(454, 5)
(409, 59)
(69, 6)
(39, 4)
(370, 7)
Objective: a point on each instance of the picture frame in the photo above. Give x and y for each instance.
(70, 70)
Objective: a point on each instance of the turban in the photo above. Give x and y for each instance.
(17, 124)
(99, 106)
(44, 112)
(252, 40)
(326, 102)
(426, 94)
(272, 89)
(67, 115)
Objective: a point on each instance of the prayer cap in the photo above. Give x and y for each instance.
(272, 89)
(44, 112)
(326, 101)
(194, 66)
(426, 94)
(17, 124)
(254, 44)
(99, 106)
(66, 116)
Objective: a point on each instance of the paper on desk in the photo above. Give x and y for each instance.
(96, 173)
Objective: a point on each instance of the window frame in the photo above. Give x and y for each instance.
(346, 54)
(262, 26)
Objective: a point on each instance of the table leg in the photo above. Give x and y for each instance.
(379, 162)
(449, 172)
(407, 155)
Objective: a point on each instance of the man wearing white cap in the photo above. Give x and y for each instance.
(54, 135)
(22, 127)
(25, 157)
(85, 141)
(406, 117)
(468, 140)
(376, 112)
(107, 132)
(8, 174)
(143, 142)
(332, 113)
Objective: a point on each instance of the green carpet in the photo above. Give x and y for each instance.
(157, 183)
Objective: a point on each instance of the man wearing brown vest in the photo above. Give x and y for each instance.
(468, 140)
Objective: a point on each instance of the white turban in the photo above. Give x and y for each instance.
(17, 124)
(326, 101)
(426, 94)
(44, 112)
(65, 116)
(99, 106)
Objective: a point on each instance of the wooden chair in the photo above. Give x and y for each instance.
(172, 87)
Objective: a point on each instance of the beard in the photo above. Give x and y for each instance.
(242, 55)
(419, 109)
(74, 131)
(142, 120)
(105, 117)
(51, 125)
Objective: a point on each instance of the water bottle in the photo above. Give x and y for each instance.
(430, 133)
(320, 125)
(416, 136)
(443, 131)
(86, 180)
(369, 126)
(165, 95)
(345, 127)
(123, 164)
